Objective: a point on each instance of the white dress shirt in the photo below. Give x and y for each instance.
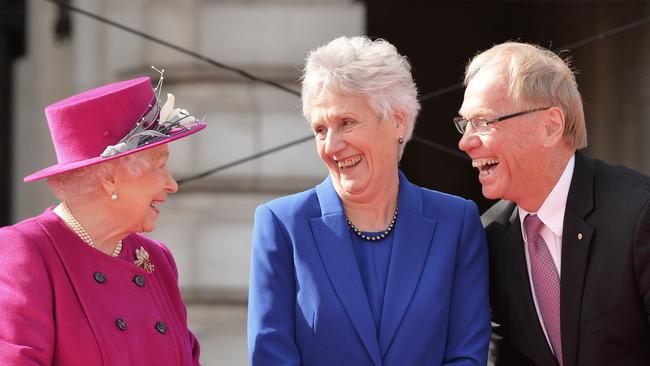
(551, 213)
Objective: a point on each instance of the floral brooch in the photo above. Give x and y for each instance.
(143, 260)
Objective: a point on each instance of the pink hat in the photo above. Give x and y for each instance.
(112, 121)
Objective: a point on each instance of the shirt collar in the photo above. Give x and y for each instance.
(551, 212)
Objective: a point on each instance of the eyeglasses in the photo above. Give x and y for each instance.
(482, 125)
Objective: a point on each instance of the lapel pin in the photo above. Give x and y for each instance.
(143, 260)
(579, 236)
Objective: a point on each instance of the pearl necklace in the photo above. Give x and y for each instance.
(376, 237)
(72, 222)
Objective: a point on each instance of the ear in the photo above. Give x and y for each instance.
(400, 122)
(108, 184)
(553, 127)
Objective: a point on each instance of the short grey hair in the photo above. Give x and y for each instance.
(538, 76)
(85, 180)
(361, 66)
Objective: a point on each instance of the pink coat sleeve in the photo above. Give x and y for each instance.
(26, 320)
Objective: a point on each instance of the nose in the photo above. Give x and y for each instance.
(469, 140)
(333, 142)
(170, 184)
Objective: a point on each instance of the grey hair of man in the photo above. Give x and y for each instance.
(540, 78)
(360, 66)
(79, 182)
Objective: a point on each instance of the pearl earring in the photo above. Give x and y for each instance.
(400, 140)
(114, 196)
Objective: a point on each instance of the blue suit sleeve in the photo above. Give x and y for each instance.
(469, 320)
(271, 300)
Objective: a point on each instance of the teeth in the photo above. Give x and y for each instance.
(479, 163)
(347, 163)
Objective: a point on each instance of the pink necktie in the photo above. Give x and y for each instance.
(546, 282)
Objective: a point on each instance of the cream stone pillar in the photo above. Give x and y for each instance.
(45, 74)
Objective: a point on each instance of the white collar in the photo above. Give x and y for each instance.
(551, 212)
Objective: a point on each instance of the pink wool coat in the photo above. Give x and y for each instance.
(65, 303)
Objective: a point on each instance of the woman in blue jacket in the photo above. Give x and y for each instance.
(366, 268)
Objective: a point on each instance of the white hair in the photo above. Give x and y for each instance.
(360, 66)
(539, 77)
(85, 180)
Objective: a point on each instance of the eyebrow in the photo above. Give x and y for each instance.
(479, 112)
(337, 116)
(163, 155)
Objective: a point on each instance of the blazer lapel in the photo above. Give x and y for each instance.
(576, 241)
(524, 315)
(332, 237)
(413, 236)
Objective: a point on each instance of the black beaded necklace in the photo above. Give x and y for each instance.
(376, 237)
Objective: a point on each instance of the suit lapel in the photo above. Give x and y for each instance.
(523, 309)
(576, 241)
(334, 245)
(411, 243)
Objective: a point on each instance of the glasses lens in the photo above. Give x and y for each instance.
(460, 124)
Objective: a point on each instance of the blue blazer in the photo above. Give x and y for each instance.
(308, 305)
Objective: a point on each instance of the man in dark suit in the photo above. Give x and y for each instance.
(570, 239)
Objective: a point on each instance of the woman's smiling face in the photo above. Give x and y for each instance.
(358, 148)
(140, 195)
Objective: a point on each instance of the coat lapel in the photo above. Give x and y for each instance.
(524, 314)
(413, 236)
(576, 241)
(332, 237)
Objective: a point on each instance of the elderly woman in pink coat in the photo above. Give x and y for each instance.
(79, 283)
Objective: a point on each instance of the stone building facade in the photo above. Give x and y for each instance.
(207, 225)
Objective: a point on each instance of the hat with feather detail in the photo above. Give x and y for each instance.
(112, 121)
